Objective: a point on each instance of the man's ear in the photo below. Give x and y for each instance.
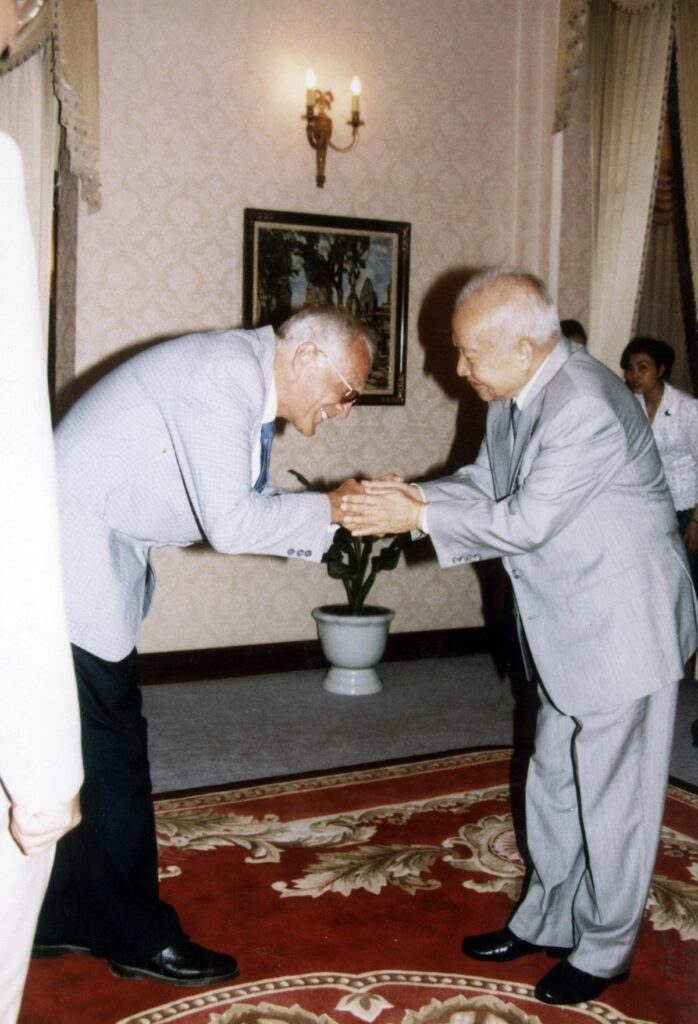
(303, 355)
(524, 352)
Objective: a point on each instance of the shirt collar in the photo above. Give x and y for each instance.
(523, 394)
(270, 403)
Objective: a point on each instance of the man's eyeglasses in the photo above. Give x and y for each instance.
(351, 394)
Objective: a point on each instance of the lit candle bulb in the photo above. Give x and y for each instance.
(355, 93)
(309, 88)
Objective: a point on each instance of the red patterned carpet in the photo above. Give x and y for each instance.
(345, 896)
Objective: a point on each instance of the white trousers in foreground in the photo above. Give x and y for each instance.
(23, 882)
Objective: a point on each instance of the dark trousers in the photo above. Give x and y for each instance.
(684, 516)
(103, 891)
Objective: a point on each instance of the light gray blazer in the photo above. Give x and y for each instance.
(581, 515)
(159, 452)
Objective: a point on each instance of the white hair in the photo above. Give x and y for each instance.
(518, 305)
(329, 328)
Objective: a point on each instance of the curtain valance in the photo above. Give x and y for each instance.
(630, 45)
(570, 52)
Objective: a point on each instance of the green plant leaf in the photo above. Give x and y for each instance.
(301, 479)
(389, 556)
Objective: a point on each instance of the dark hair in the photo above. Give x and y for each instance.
(662, 353)
(572, 327)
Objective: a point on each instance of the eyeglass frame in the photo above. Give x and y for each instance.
(352, 394)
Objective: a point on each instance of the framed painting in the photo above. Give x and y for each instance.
(293, 260)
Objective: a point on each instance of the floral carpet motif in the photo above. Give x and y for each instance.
(486, 847)
(390, 997)
(345, 897)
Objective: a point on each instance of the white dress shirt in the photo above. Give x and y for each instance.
(675, 428)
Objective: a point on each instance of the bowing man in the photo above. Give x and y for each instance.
(170, 448)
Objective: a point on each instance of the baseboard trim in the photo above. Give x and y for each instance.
(258, 659)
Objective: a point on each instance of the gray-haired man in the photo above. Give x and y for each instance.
(569, 491)
(170, 448)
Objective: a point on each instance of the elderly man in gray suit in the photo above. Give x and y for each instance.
(568, 490)
(172, 447)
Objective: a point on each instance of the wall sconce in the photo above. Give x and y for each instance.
(319, 127)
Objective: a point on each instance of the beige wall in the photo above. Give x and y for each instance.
(200, 117)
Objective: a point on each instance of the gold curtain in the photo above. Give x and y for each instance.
(77, 87)
(687, 66)
(629, 50)
(629, 46)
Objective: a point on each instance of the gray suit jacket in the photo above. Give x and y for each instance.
(159, 452)
(582, 517)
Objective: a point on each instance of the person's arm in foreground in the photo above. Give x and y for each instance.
(40, 758)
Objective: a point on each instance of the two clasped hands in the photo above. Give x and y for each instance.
(377, 507)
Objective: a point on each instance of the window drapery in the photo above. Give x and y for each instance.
(51, 80)
(687, 67)
(71, 25)
(629, 48)
(629, 54)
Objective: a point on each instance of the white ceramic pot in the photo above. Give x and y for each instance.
(353, 645)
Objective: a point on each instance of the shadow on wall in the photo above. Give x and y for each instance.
(434, 332)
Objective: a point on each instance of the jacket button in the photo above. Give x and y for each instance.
(308, 554)
(515, 573)
(290, 551)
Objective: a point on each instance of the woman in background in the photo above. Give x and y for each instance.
(673, 415)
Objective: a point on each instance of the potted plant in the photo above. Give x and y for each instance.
(353, 635)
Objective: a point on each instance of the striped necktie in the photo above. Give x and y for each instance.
(267, 436)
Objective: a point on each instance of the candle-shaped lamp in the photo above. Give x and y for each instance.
(310, 88)
(355, 94)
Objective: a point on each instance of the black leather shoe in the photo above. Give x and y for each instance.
(566, 985)
(183, 963)
(52, 950)
(503, 945)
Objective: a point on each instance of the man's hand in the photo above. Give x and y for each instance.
(350, 486)
(34, 833)
(388, 506)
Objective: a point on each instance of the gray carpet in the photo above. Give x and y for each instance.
(230, 730)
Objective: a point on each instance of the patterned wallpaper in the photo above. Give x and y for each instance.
(575, 232)
(200, 118)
